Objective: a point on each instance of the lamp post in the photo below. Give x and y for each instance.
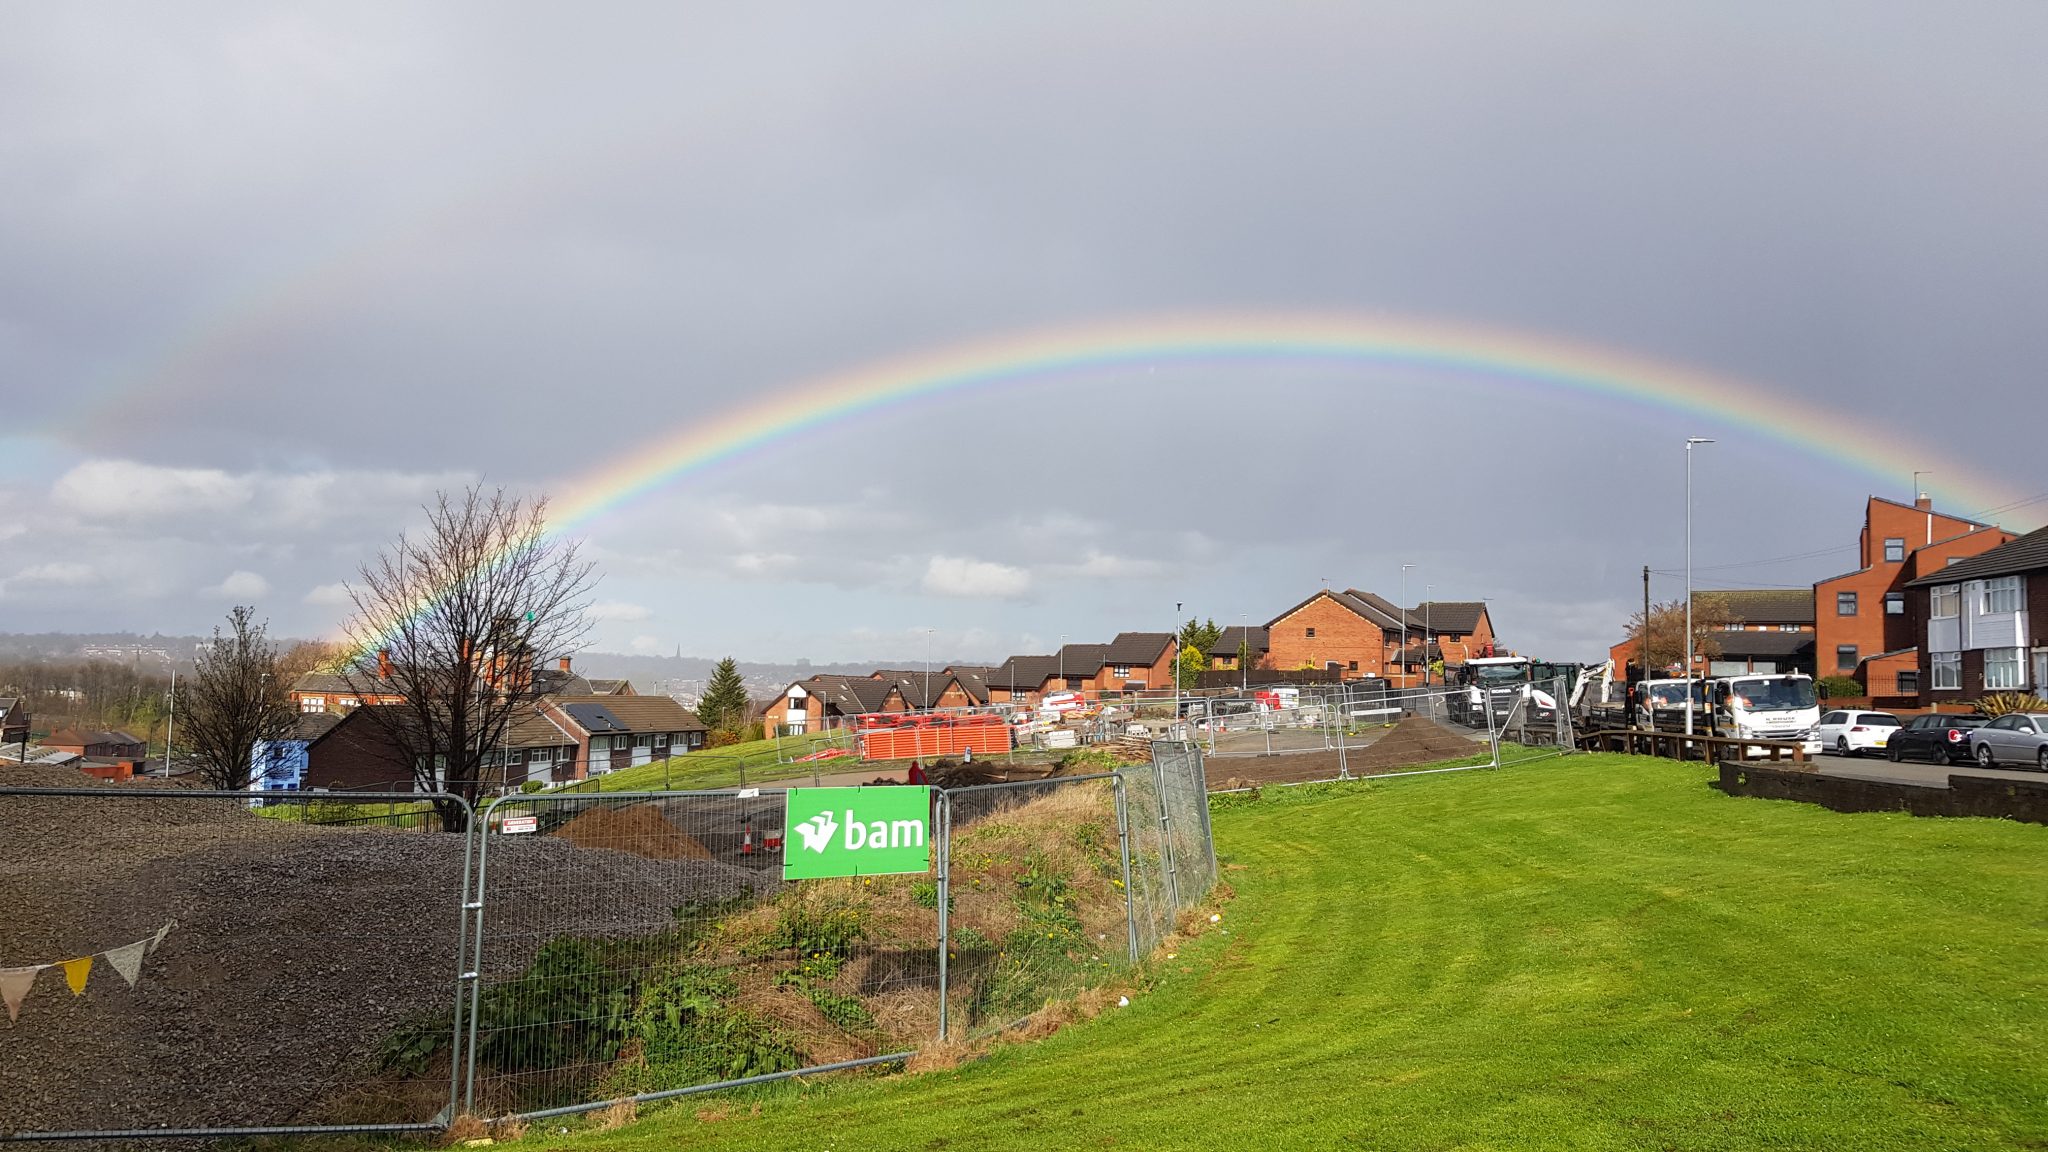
(1690, 443)
(1425, 633)
(1244, 655)
(927, 669)
(1404, 623)
(1063, 661)
(1174, 647)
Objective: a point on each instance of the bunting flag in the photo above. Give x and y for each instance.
(75, 972)
(126, 960)
(14, 986)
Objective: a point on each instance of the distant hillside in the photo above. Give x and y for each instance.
(647, 671)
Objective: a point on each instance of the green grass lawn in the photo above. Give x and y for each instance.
(1596, 952)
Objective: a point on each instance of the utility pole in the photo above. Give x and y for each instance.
(1646, 622)
(1173, 647)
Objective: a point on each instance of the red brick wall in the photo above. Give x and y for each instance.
(1340, 635)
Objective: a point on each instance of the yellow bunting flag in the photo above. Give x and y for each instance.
(14, 986)
(75, 972)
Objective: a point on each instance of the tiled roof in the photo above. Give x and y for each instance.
(1235, 636)
(2029, 553)
(310, 726)
(1460, 616)
(600, 714)
(611, 688)
(1762, 605)
(1764, 643)
(1137, 647)
(85, 736)
(333, 683)
(535, 729)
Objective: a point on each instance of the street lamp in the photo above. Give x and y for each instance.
(1173, 646)
(1690, 443)
(1425, 633)
(1404, 623)
(1244, 652)
(927, 669)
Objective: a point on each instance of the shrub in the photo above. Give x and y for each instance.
(829, 926)
(1837, 687)
(531, 786)
(2000, 703)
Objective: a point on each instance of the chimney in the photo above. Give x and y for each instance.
(383, 663)
(1923, 502)
(565, 663)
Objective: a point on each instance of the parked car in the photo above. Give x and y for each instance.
(2016, 738)
(1942, 739)
(1850, 732)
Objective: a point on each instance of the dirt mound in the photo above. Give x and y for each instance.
(642, 830)
(297, 951)
(1415, 740)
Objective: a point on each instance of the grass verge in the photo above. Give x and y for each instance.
(1594, 952)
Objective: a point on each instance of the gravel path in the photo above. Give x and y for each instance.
(297, 949)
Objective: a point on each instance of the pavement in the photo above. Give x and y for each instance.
(1912, 772)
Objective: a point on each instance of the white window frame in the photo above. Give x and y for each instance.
(309, 704)
(2009, 671)
(1946, 669)
(1945, 602)
(2001, 595)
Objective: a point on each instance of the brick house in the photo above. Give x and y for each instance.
(1359, 634)
(1253, 642)
(1768, 630)
(332, 692)
(1133, 662)
(1864, 614)
(615, 732)
(1985, 622)
(96, 744)
(826, 702)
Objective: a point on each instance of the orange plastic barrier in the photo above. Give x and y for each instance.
(925, 738)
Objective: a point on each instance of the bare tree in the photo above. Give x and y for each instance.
(1710, 617)
(454, 622)
(235, 699)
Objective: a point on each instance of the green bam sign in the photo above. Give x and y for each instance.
(856, 832)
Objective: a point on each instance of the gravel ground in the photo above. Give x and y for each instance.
(297, 949)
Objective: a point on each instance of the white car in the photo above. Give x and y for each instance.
(1849, 732)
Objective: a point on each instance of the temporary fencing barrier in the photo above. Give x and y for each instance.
(183, 963)
(322, 973)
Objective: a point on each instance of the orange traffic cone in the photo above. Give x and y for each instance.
(747, 840)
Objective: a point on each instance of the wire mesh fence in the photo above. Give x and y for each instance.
(323, 966)
(183, 961)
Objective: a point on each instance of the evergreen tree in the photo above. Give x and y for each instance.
(724, 706)
(1199, 634)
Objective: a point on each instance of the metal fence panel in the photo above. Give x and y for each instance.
(639, 944)
(1037, 906)
(181, 961)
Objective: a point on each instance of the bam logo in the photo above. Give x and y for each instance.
(817, 833)
(856, 832)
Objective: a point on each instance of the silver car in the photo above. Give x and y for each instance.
(2016, 738)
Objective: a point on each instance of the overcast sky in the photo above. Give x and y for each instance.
(270, 274)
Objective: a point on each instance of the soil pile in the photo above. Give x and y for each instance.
(642, 830)
(297, 951)
(1415, 740)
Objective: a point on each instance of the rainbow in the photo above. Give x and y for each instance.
(1509, 359)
